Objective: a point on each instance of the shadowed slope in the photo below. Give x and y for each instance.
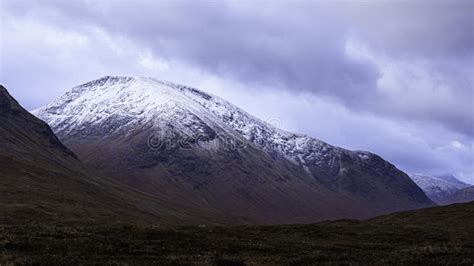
(462, 195)
(42, 181)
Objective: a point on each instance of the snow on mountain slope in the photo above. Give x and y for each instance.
(313, 155)
(453, 180)
(116, 102)
(438, 187)
(121, 101)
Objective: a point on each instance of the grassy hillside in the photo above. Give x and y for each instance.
(439, 235)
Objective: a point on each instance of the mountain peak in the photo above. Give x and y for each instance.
(7, 102)
(114, 102)
(451, 178)
(438, 187)
(438, 179)
(106, 80)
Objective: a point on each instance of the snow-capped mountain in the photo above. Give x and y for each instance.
(161, 137)
(116, 104)
(439, 188)
(149, 100)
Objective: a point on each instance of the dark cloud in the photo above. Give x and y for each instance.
(303, 46)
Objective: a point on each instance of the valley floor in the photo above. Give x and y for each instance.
(439, 235)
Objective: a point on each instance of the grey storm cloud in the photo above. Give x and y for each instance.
(303, 46)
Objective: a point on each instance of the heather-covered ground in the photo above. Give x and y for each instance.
(440, 235)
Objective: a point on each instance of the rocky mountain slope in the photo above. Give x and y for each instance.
(188, 147)
(441, 189)
(42, 181)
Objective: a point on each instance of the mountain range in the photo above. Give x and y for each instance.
(444, 189)
(197, 151)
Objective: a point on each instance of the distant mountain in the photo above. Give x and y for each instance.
(190, 148)
(42, 181)
(441, 189)
(453, 180)
(463, 195)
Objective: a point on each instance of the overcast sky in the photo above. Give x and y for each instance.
(392, 77)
